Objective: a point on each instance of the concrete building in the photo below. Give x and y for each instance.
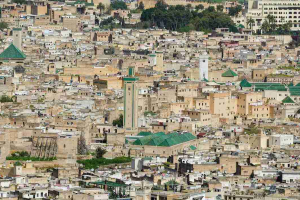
(283, 11)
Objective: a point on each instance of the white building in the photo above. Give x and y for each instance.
(290, 176)
(281, 140)
(283, 11)
(203, 67)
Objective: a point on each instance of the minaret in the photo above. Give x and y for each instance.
(203, 67)
(130, 103)
(17, 38)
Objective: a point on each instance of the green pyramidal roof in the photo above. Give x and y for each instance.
(12, 53)
(229, 73)
(205, 80)
(245, 83)
(287, 100)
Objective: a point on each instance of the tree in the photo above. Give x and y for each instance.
(287, 27)
(272, 24)
(141, 6)
(188, 6)
(19, 1)
(199, 7)
(180, 18)
(118, 122)
(265, 27)
(129, 16)
(3, 25)
(116, 5)
(100, 152)
(161, 5)
(234, 11)
(5, 98)
(101, 7)
(220, 8)
(211, 9)
(250, 22)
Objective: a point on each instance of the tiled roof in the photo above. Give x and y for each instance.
(287, 100)
(192, 147)
(167, 140)
(245, 83)
(12, 53)
(144, 133)
(269, 86)
(229, 73)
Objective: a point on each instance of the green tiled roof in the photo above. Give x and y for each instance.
(229, 73)
(205, 80)
(269, 86)
(192, 147)
(80, 2)
(146, 139)
(167, 140)
(291, 84)
(245, 83)
(144, 133)
(12, 53)
(298, 84)
(287, 100)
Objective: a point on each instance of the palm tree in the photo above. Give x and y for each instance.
(287, 27)
(271, 20)
(101, 7)
(250, 22)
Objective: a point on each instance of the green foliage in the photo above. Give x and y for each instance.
(149, 113)
(270, 27)
(118, 122)
(252, 130)
(107, 21)
(5, 98)
(24, 156)
(250, 22)
(199, 7)
(100, 152)
(116, 5)
(3, 25)
(18, 163)
(220, 8)
(136, 11)
(167, 164)
(41, 99)
(234, 11)
(95, 163)
(101, 7)
(19, 1)
(141, 6)
(181, 18)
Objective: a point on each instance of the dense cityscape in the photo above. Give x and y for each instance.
(150, 100)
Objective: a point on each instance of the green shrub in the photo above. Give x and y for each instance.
(24, 156)
(96, 162)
